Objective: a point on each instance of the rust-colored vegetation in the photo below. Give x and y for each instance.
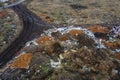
(22, 61)
(118, 56)
(98, 28)
(45, 43)
(113, 45)
(43, 39)
(3, 14)
(73, 33)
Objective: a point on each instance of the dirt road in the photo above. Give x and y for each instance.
(33, 26)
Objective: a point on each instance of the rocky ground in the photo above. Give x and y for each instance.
(71, 53)
(63, 11)
(10, 27)
(67, 55)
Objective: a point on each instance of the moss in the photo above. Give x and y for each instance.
(46, 67)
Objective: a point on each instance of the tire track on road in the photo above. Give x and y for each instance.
(32, 24)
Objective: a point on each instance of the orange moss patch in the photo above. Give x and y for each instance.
(98, 28)
(46, 17)
(43, 39)
(47, 46)
(3, 14)
(43, 14)
(112, 44)
(118, 56)
(45, 43)
(74, 34)
(64, 37)
(22, 61)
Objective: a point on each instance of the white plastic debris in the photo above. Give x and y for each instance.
(55, 64)
(61, 56)
(32, 42)
(85, 68)
(99, 44)
(64, 30)
(117, 50)
(114, 72)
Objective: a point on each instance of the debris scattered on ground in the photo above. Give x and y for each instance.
(78, 55)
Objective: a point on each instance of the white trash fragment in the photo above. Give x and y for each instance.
(55, 64)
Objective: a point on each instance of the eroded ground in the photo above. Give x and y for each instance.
(67, 11)
(91, 53)
(70, 53)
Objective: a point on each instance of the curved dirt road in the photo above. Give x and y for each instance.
(32, 26)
